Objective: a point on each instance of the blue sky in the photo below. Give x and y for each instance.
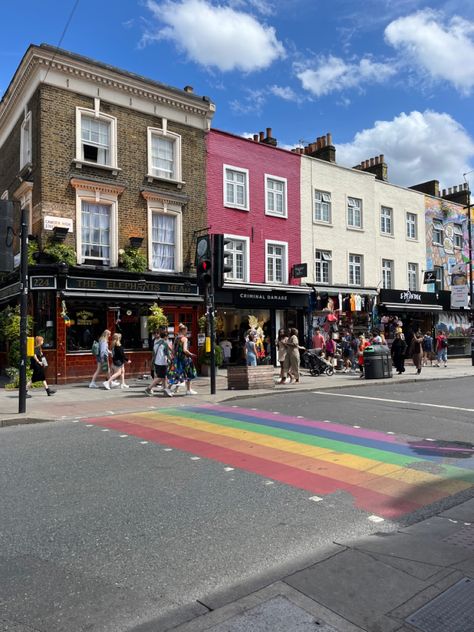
(392, 77)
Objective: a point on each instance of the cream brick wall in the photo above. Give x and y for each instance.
(342, 183)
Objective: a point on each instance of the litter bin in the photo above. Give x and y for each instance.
(377, 362)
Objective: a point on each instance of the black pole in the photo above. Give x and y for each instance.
(471, 280)
(23, 310)
(211, 324)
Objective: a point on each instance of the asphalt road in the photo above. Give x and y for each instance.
(101, 530)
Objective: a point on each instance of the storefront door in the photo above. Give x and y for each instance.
(187, 316)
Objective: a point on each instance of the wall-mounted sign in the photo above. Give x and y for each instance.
(429, 276)
(119, 285)
(63, 222)
(300, 270)
(43, 282)
(10, 290)
(406, 297)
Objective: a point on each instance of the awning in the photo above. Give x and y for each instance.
(330, 289)
(403, 307)
(132, 296)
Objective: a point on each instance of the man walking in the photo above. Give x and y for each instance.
(318, 340)
(441, 348)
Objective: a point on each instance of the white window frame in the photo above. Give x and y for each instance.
(355, 208)
(161, 207)
(387, 274)
(438, 228)
(284, 244)
(386, 216)
(246, 253)
(324, 258)
(412, 273)
(411, 226)
(25, 141)
(439, 272)
(111, 121)
(284, 195)
(163, 132)
(353, 264)
(322, 204)
(458, 237)
(245, 205)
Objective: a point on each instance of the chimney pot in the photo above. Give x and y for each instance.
(443, 192)
(372, 162)
(189, 89)
(255, 137)
(376, 160)
(269, 132)
(329, 138)
(382, 158)
(455, 189)
(262, 136)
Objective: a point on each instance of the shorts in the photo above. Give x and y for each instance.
(160, 370)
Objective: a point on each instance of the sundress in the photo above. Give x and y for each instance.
(181, 368)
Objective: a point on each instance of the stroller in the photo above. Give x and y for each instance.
(316, 364)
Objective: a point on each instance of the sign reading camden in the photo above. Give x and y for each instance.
(129, 285)
(410, 297)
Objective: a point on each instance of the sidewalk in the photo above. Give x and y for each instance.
(77, 400)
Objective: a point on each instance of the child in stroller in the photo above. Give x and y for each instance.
(314, 361)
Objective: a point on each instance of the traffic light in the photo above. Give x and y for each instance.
(222, 264)
(6, 236)
(204, 261)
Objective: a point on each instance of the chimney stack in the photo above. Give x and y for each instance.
(430, 188)
(376, 165)
(268, 140)
(262, 137)
(459, 194)
(322, 149)
(189, 89)
(255, 137)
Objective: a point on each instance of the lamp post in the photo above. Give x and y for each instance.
(471, 280)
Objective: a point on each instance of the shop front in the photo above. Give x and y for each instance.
(263, 309)
(456, 325)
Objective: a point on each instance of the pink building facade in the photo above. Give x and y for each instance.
(253, 193)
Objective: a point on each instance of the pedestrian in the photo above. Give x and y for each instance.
(427, 349)
(161, 361)
(281, 347)
(250, 350)
(363, 344)
(318, 340)
(181, 368)
(347, 352)
(330, 349)
(292, 361)
(416, 350)
(441, 348)
(376, 338)
(119, 360)
(102, 357)
(37, 364)
(398, 350)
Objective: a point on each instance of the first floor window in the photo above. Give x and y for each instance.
(95, 137)
(276, 257)
(322, 206)
(163, 241)
(413, 277)
(457, 237)
(96, 232)
(438, 232)
(387, 274)
(411, 226)
(354, 212)
(323, 266)
(386, 215)
(439, 270)
(235, 187)
(238, 249)
(355, 269)
(276, 196)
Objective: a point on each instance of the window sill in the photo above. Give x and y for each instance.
(356, 228)
(279, 215)
(151, 178)
(237, 208)
(413, 239)
(387, 235)
(321, 222)
(80, 163)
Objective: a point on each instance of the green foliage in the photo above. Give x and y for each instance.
(10, 332)
(32, 250)
(133, 260)
(205, 358)
(202, 322)
(14, 375)
(156, 319)
(61, 253)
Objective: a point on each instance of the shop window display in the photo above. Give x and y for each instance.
(85, 325)
(45, 317)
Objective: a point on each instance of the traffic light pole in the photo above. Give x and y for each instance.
(23, 310)
(212, 332)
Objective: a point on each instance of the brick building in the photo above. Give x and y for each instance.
(108, 156)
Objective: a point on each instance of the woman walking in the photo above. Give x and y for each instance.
(416, 350)
(102, 357)
(282, 350)
(119, 359)
(182, 368)
(398, 350)
(292, 362)
(363, 344)
(37, 364)
(251, 350)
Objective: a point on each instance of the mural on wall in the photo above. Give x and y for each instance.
(447, 237)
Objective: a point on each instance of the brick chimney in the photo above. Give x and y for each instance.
(459, 194)
(322, 149)
(376, 165)
(430, 188)
(268, 139)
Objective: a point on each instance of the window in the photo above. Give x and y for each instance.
(438, 232)
(387, 274)
(322, 206)
(275, 196)
(239, 247)
(386, 218)
(323, 266)
(439, 270)
(95, 232)
(355, 269)
(276, 262)
(236, 187)
(413, 277)
(457, 236)
(163, 242)
(354, 212)
(96, 137)
(164, 154)
(25, 141)
(411, 226)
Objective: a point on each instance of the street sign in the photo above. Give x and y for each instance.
(429, 276)
(300, 270)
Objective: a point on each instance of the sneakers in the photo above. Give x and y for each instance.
(148, 392)
(107, 385)
(174, 388)
(115, 383)
(122, 386)
(50, 392)
(93, 385)
(191, 392)
(168, 392)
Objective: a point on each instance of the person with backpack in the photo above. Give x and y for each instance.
(427, 349)
(161, 360)
(441, 348)
(100, 350)
(119, 360)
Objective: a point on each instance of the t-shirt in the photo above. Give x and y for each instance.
(427, 343)
(226, 347)
(318, 341)
(162, 351)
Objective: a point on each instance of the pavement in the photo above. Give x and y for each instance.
(415, 577)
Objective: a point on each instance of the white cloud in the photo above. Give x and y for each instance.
(251, 103)
(260, 6)
(215, 35)
(418, 146)
(445, 51)
(284, 92)
(333, 74)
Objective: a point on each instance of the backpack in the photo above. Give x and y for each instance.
(95, 348)
(444, 343)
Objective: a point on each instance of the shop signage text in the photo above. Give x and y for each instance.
(260, 299)
(43, 282)
(429, 276)
(410, 297)
(406, 297)
(118, 285)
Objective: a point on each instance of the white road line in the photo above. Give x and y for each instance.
(394, 401)
(123, 436)
(228, 469)
(376, 519)
(144, 442)
(89, 425)
(390, 432)
(316, 499)
(356, 426)
(105, 430)
(195, 458)
(167, 449)
(269, 483)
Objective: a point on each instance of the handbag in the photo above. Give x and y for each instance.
(44, 362)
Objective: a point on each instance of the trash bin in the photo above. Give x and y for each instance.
(377, 362)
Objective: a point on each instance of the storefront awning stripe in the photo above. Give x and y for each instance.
(402, 307)
(329, 289)
(132, 296)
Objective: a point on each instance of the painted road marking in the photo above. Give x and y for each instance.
(105, 430)
(195, 458)
(144, 442)
(316, 499)
(375, 519)
(229, 469)
(395, 401)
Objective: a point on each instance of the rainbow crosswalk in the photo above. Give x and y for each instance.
(385, 475)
